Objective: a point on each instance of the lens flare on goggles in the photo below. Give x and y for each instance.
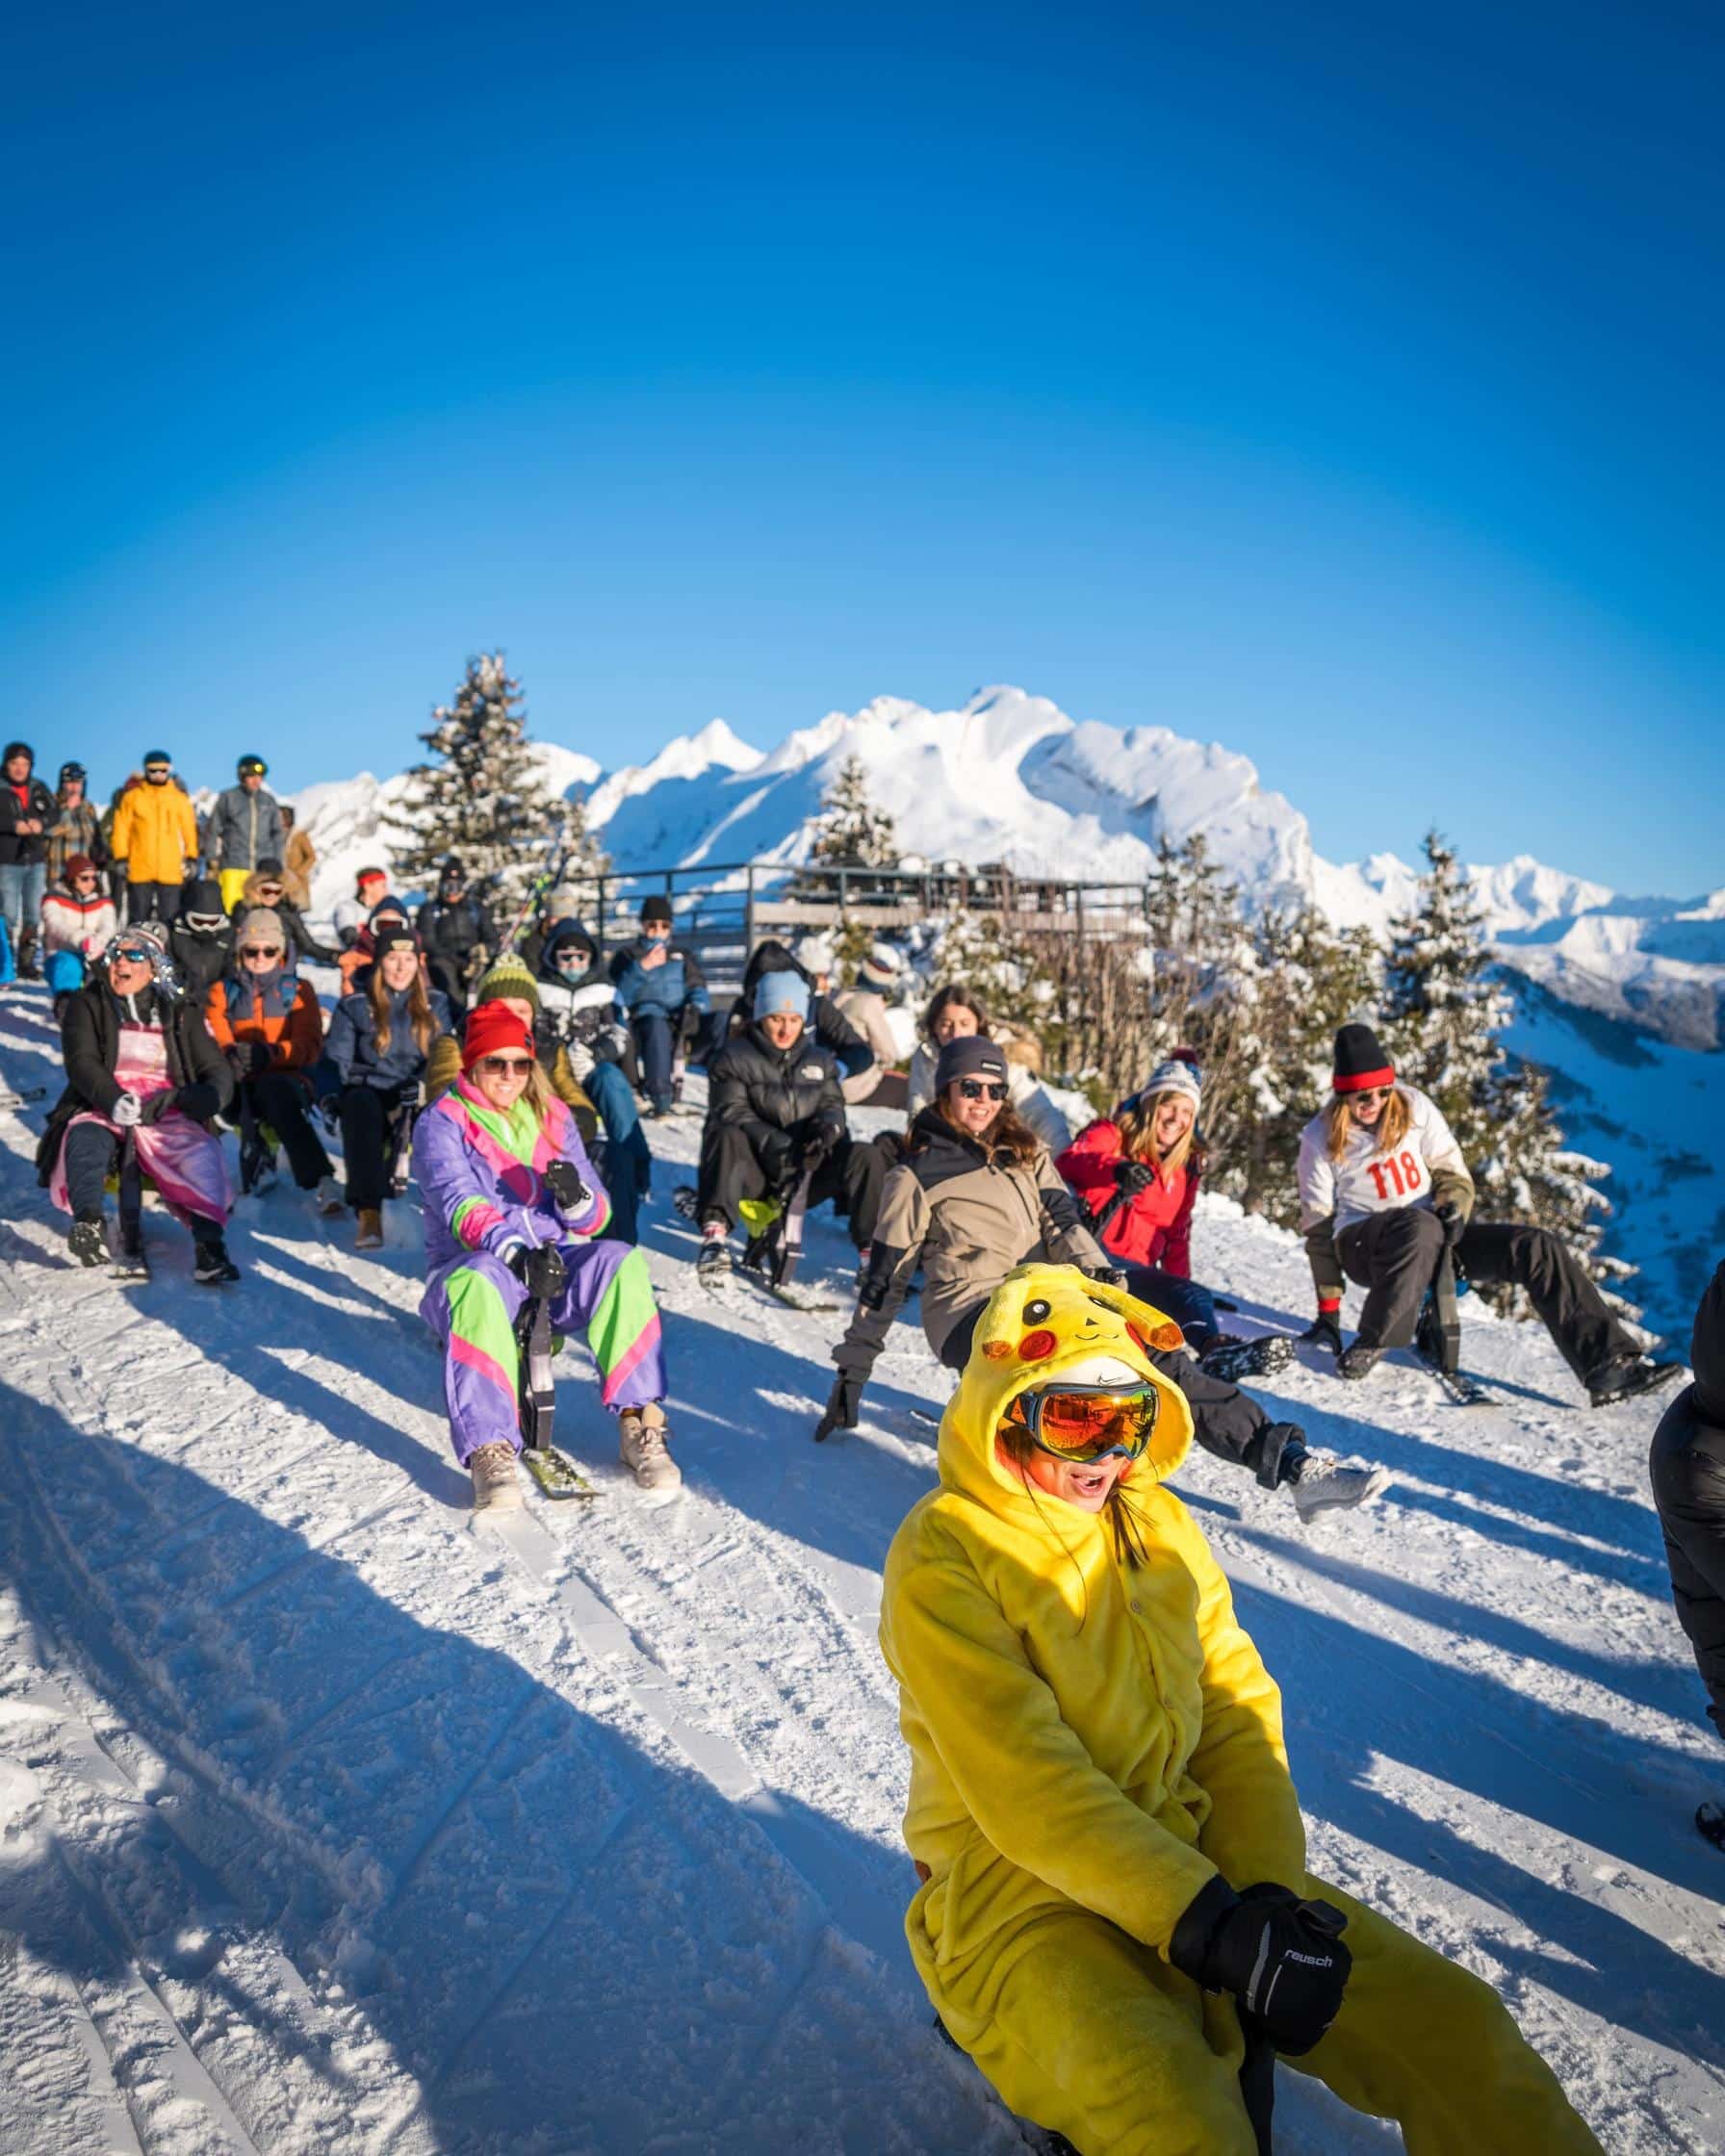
(1088, 1423)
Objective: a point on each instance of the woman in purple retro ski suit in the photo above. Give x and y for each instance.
(514, 1208)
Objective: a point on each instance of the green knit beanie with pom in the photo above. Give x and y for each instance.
(508, 976)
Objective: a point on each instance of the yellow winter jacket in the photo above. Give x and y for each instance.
(1078, 1732)
(155, 832)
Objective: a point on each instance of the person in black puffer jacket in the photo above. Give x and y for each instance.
(775, 1116)
(457, 937)
(1687, 1466)
(200, 941)
(828, 1024)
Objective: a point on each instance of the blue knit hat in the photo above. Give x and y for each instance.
(776, 992)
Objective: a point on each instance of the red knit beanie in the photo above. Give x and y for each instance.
(491, 1029)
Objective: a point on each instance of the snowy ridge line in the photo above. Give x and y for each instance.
(824, 1869)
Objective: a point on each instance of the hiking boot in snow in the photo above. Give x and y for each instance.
(641, 1435)
(367, 1234)
(713, 1265)
(87, 1241)
(496, 1486)
(1234, 1361)
(1358, 1361)
(1627, 1377)
(327, 1197)
(1320, 1483)
(211, 1264)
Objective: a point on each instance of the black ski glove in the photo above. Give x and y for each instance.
(815, 1147)
(843, 1402)
(1281, 1958)
(1454, 1219)
(1110, 1275)
(198, 1100)
(777, 1153)
(1133, 1176)
(563, 1180)
(1324, 1331)
(540, 1269)
(259, 1058)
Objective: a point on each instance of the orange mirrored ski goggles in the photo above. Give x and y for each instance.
(1088, 1423)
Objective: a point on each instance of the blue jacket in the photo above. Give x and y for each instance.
(659, 991)
(352, 1043)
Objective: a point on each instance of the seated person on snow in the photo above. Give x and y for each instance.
(664, 992)
(267, 886)
(514, 1208)
(1137, 1172)
(955, 1013)
(579, 1001)
(378, 1046)
(977, 1195)
(352, 914)
(269, 1025)
(139, 1060)
(1384, 1190)
(201, 940)
(78, 923)
(775, 1118)
(562, 903)
(863, 1005)
(456, 934)
(354, 965)
(1115, 1919)
(813, 959)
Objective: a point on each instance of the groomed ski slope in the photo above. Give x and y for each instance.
(328, 1825)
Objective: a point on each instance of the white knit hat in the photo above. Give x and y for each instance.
(813, 954)
(883, 965)
(1171, 1077)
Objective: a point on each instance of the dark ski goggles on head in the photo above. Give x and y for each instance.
(1082, 1424)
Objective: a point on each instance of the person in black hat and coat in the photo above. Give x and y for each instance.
(457, 937)
(664, 992)
(1384, 1190)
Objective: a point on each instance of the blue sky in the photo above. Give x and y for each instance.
(1340, 383)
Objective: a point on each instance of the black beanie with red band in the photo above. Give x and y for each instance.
(1360, 1063)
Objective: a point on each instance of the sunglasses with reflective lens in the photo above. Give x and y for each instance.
(1082, 1424)
(505, 1067)
(135, 956)
(982, 1089)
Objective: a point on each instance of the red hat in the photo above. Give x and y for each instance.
(490, 1028)
(79, 864)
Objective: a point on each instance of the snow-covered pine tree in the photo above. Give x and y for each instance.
(1444, 1006)
(484, 799)
(850, 831)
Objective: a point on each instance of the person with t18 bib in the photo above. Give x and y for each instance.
(1384, 1192)
(514, 1209)
(1115, 1919)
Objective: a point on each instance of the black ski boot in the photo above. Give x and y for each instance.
(1358, 1361)
(87, 1241)
(1627, 1377)
(1234, 1361)
(211, 1264)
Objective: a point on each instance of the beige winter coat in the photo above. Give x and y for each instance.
(866, 1011)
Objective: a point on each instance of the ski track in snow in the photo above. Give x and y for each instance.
(327, 1824)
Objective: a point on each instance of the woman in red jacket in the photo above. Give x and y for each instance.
(1137, 1172)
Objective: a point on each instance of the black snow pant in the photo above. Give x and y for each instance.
(366, 1111)
(152, 902)
(1227, 1423)
(852, 1176)
(1393, 1256)
(280, 1101)
(1688, 1466)
(90, 1155)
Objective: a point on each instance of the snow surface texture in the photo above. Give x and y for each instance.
(331, 1827)
(1011, 779)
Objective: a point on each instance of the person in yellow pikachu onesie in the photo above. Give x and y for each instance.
(1115, 1919)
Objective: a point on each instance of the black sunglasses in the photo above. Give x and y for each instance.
(982, 1089)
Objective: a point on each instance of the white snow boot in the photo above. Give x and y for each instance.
(496, 1486)
(641, 1447)
(1320, 1483)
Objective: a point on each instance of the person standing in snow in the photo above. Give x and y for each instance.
(245, 830)
(1384, 1190)
(78, 923)
(139, 1062)
(664, 992)
(775, 1123)
(378, 1045)
(298, 857)
(76, 828)
(1115, 1918)
(154, 841)
(268, 1025)
(26, 810)
(514, 1209)
(456, 935)
(955, 1013)
(1688, 1468)
(976, 1196)
(1137, 1172)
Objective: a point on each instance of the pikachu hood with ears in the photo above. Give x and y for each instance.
(1085, 1732)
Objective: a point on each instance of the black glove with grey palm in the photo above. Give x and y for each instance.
(563, 1180)
(1133, 1176)
(1281, 1958)
(844, 1403)
(1452, 1219)
(540, 1269)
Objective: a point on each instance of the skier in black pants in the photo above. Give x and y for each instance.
(775, 1116)
(456, 935)
(1687, 1466)
(1383, 1190)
